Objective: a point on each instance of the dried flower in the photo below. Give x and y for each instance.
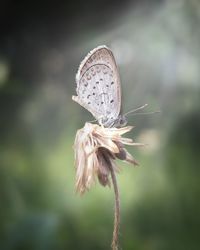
(96, 148)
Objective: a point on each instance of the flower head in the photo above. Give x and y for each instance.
(96, 148)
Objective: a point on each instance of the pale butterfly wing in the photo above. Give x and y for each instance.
(98, 85)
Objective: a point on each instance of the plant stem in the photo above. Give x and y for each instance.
(115, 240)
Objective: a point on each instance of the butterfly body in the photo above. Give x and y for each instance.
(98, 87)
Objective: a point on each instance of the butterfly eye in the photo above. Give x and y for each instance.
(121, 121)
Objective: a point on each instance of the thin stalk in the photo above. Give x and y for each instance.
(115, 240)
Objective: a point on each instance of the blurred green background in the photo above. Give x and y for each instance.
(157, 48)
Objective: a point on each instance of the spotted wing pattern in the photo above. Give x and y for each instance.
(98, 85)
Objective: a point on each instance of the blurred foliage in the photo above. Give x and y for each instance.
(157, 46)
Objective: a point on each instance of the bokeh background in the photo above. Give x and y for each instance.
(157, 48)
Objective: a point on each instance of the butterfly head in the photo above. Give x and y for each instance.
(118, 122)
(121, 121)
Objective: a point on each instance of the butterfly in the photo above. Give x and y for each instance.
(98, 87)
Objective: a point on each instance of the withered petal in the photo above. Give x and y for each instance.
(96, 148)
(103, 180)
(108, 144)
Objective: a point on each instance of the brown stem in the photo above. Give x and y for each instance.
(115, 240)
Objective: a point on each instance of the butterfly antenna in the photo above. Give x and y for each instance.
(142, 113)
(148, 113)
(135, 110)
